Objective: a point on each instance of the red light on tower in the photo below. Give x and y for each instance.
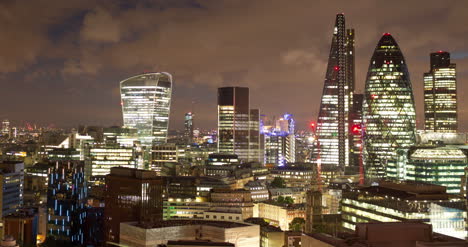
(312, 126)
(386, 34)
(374, 96)
(337, 68)
(356, 129)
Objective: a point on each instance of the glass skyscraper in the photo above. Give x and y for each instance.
(332, 124)
(388, 113)
(238, 125)
(440, 94)
(146, 102)
(188, 125)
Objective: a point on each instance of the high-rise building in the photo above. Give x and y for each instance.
(389, 115)
(355, 127)
(235, 124)
(66, 198)
(100, 158)
(146, 102)
(11, 189)
(332, 124)
(255, 151)
(6, 127)
(440, 94)
(132, 195)
(279, 141)
(188, 124)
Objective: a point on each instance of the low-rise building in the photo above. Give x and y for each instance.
(279, 214)
(152, 234)
(405, 201)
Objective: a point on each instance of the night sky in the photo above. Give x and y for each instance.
(61, 61)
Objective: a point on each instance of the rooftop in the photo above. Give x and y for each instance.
(170, 223)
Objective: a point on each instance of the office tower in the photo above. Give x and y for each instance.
(233, 121)
(355, 127)
(332, 124)
(275, 148)
(188, 124)
(100, 158)
(6, 127)
(255, 151)
(285, 125)
(126, 137)
(389, 113)
(146, 103)
(132, 195)
(440, 94)
(11, 193)
(66, 198)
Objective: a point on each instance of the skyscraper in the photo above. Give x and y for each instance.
(355, 126)
(388, 112)
(255, 151)
(66, 198)
(132, 195)
(234, 121)
(332, 127)
(440, 94)
(146, 102)
(188, 127)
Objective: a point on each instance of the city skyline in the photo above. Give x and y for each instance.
(69, 74)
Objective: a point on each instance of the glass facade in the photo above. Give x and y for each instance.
(238, 125)
(332, 124)
(446, 216)
(440, 165)
(188, 127)
(440, 94)
(146, 102)
(389, 115)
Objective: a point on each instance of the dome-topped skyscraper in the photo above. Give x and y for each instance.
(388, 112)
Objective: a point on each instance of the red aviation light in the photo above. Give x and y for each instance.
(312, 125)
(336, 68)
(386, 34)
(440, 52)
(374, 96)
(356, 129)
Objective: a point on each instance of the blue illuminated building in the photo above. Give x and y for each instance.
(66, 198)
(280, 141)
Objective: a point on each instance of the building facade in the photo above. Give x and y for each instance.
(146, 103)
(440, 94)
(66, 198)
(132, 195)
(238, 125)
(332, 124)
(188, 127)
(406, 201)
(389, 112)
(11, 184)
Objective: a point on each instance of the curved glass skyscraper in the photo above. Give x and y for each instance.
(388, 112)
(146, 103)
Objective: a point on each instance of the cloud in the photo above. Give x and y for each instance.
(100, 26)
(278, 50)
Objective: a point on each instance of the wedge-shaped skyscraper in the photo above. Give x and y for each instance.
(146, 103)
(388, 112)
(332, 124)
